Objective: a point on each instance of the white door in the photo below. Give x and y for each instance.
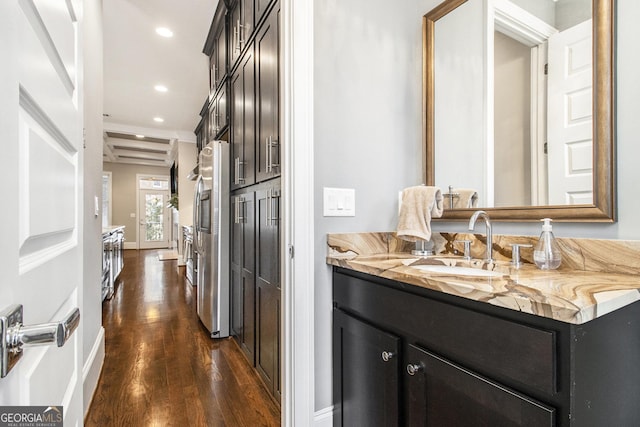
(154, 219)
(40, 183)
(569, 138)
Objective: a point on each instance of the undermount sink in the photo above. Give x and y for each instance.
(457, 271)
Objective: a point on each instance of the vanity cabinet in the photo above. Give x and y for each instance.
(365, 359)
(443, 360)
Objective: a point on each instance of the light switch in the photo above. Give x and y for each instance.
(132, 215)
(339, 201)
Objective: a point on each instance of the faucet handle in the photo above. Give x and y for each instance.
(467, 248)
(515, 253)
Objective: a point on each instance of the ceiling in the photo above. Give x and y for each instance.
(135, 60)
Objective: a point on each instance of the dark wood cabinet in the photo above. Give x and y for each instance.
(244, 100)
(215, 48)
(443, 394)
(469, 363)
(243, 286)
(267, 50)
(365, 358)
(218, 114)
(268, 308)
(261, 7)
(243, 122)
(241, 22)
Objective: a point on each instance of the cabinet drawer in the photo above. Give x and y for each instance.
(495, 347)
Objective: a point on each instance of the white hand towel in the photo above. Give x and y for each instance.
(419, 205)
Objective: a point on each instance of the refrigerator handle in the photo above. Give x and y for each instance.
(196, 213)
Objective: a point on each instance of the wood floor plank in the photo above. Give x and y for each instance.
(161, 367)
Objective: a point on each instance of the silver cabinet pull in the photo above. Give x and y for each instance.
(269, 207)
(239, 210)
(238, 177)
(387, 355)
(273, 143)
(14, 335)
(238, 34)
(267, 154)
(413, 369)
(270, 145)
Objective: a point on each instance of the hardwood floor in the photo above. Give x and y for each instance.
(161, 368)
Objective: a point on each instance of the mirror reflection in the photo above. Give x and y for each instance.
(513, 103)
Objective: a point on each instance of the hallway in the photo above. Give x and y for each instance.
(161, 368)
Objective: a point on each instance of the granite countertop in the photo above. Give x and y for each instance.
(111, 228)
(568, 295)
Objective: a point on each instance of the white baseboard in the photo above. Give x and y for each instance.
(323, 417)
(91, 370)
(130, 245)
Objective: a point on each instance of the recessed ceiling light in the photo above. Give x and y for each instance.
(140, 136)
(158, 119)
(160, 88)
(164, 32)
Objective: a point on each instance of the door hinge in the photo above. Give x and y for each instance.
(546, 151)
(291, 251)
(546, 69)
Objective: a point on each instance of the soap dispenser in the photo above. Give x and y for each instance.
(547, 254)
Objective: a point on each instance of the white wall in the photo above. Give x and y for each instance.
(368, 128)
(460, 96)
(92, 333)
(187, 160)
(512, 118)
(124, 192)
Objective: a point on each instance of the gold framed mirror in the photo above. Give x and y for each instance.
(601, 146)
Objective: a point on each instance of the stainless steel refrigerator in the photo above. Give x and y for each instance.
(211, 237)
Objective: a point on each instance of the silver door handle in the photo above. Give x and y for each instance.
(14, 335)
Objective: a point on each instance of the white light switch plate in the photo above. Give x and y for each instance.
(339, 201)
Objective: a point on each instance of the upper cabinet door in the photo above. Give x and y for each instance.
(215, 47)
(243, 122)
(241, 22)
(267, 99)
(261, 8)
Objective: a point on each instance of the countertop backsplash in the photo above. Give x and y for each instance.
(597, 255)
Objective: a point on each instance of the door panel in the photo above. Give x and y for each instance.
(243, 143)
(154, 219)
(365, 386)
(41, 254)
(442, 394)
(267, 98)
(248, 277)
(570, 140)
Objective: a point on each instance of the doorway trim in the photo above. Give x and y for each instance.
(296, 92)
(140, 176)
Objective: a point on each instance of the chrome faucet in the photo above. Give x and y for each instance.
(487, 223)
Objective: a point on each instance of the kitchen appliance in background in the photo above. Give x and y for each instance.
(211, 238)
(187, 252)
